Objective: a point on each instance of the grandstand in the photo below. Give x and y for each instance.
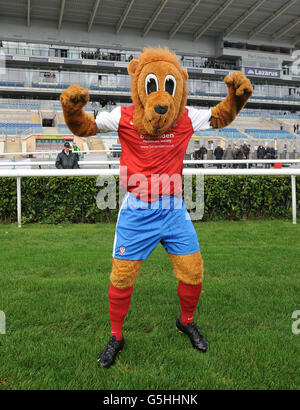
(211, 39)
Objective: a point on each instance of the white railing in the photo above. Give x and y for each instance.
(20, 173)
(56, 152)
(185, 162)
(111, 150)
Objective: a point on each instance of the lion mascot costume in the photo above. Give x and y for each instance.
(154, 134)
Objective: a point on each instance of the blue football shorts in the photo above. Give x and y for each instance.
(142, 225)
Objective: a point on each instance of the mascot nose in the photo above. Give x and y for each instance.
(161, 109)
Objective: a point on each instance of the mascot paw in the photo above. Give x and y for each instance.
(74, 98)
(240, 84)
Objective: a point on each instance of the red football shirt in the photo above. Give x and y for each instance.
(152, 166)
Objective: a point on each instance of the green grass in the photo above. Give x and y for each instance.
(53, 290)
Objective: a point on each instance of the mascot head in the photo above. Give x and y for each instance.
(159, 94)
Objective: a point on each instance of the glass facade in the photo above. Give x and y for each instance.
(34, 50)
(121, 82)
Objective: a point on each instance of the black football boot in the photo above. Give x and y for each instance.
(198, 341)
(109, 353)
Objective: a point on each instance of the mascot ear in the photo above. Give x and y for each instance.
(185, 74)
(132, 66)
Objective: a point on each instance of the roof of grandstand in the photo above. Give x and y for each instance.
(275, 21)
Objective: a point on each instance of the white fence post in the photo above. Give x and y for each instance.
(2, 323)
(19, 204)
(294, 206)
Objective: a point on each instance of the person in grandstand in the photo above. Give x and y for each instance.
(249, 154)
(261, 152)
(268, 156)
(201, 154)
(273, 153)
(218, 153)
(228, 155)
(246, 150)
(240, 155)
(77, 151)
(234, 153)
(66, 159)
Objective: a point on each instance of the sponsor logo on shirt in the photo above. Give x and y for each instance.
(165, 139)
(168, 135)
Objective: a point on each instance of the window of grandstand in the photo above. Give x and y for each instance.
(47, 77)
(42, 50)
(15, 77)
(48, 122)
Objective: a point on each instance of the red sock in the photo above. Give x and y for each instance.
(189, 296)
(119, 302)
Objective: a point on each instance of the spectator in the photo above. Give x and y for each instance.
(273, 154)
(234, 154)
(103, 103)
(261, 152)
(76, 151)
(200, 154)
(240, 155)
(268, 156)
(295, 128)
(249, 151)
(246, 150)
(95, 109)
(66, 159)
(228, 155)
(219, 154)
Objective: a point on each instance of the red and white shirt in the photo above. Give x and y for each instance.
(152, 166)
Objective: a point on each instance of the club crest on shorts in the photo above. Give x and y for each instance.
(122, 250)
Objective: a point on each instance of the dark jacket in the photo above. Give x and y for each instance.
(261, 152)
(199, 154)
(219, 153)
(64, 161)
(246, 150)
(268, 153)
(273, 153)
(240, 154)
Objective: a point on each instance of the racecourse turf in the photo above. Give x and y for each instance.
(53, 290)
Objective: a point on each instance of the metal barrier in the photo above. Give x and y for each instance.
(186, 171)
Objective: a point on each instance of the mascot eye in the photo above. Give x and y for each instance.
(151, 83)
(170, 84)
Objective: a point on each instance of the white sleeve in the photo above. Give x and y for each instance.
(108, 121)
(200, 118)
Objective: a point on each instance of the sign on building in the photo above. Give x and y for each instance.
(262, 72)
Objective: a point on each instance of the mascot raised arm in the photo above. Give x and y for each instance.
(154, 133)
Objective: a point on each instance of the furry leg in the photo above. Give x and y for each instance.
(123, 276)
(188, 268)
